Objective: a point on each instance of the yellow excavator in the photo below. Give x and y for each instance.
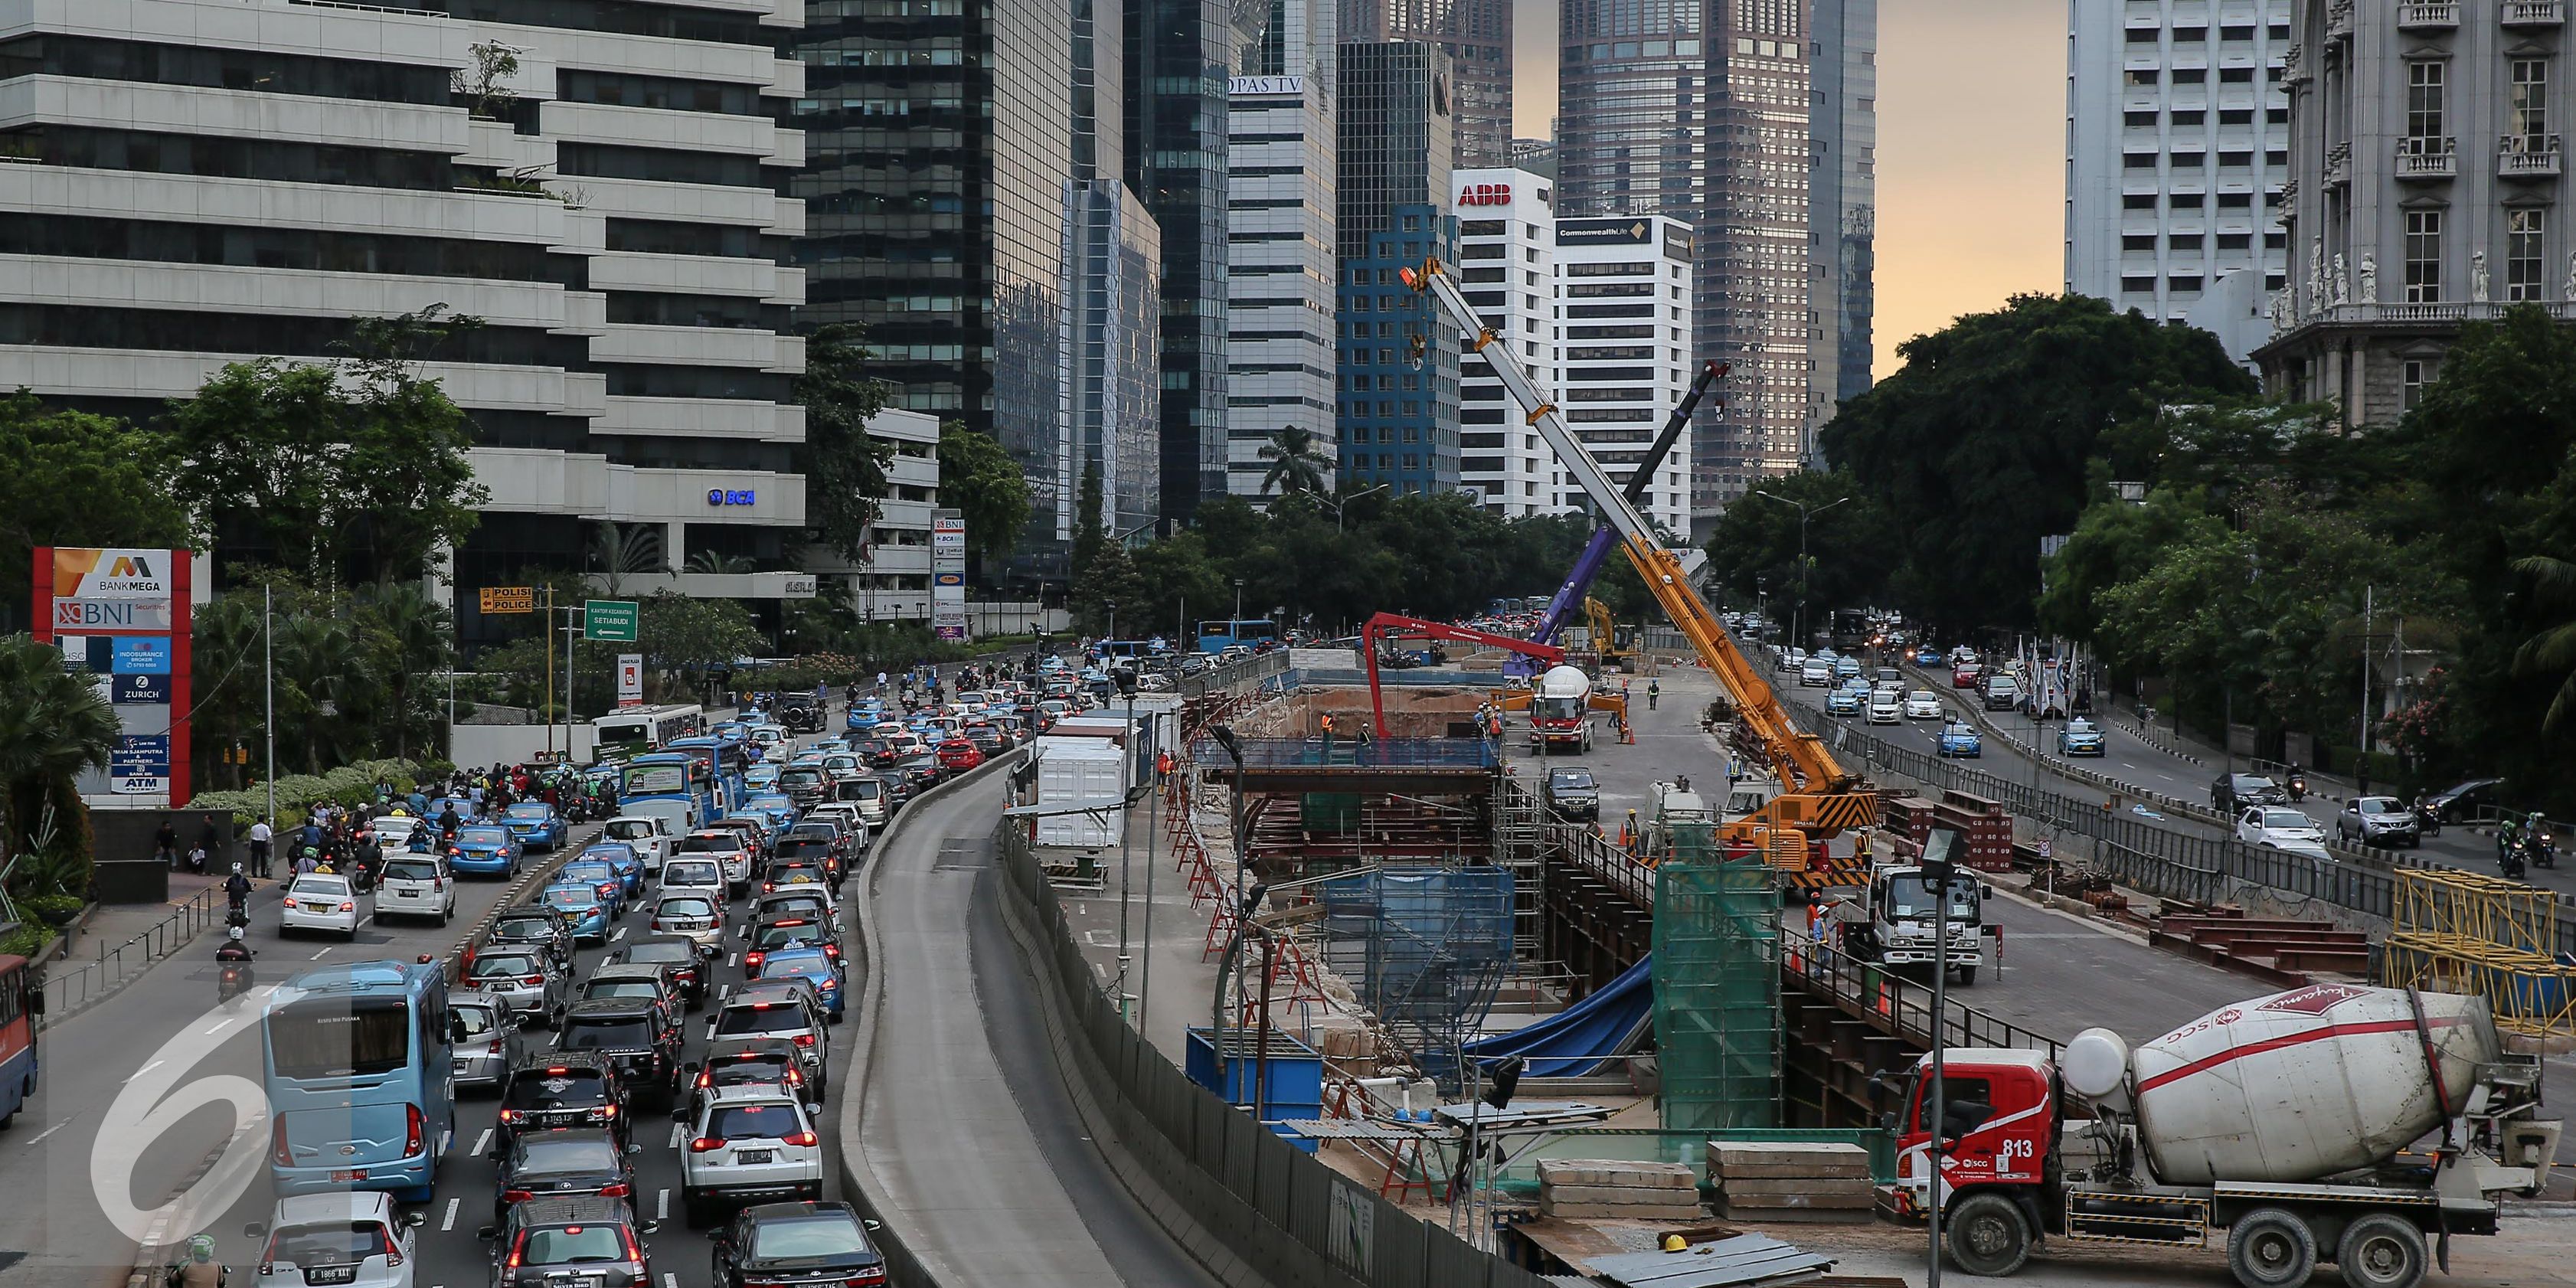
(1615, 645)
(1818, 797)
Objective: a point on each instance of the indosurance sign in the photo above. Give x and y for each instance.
(948, 574)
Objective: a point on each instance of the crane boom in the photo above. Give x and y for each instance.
(1388, 625)
(1818, 794)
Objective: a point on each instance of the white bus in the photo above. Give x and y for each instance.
(638, 729)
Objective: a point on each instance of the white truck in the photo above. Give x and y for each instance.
(1897, 913)
(2332, 1123)
(1560, 711)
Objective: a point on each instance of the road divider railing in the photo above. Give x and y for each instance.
(70, 988)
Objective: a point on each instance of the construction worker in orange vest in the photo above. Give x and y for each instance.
(1163, 767)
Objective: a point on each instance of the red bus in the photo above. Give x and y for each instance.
(21, 1001)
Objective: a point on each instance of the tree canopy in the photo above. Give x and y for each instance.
(75, 479)
(978, 478)
(1980, 445)
(844, 465)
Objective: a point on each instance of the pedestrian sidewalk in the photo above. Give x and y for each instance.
(117, 943)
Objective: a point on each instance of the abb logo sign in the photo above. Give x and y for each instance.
(1485, 194)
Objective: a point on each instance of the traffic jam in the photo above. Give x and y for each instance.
(633, 1069)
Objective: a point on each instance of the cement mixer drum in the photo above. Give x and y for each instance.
(2305, 1084)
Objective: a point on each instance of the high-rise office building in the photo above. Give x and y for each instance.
(2403, 221)
(1280, 209)
(1842, 206)
(1581, 305)
(1180, 57)
(2177, 153)
(968, 206)
(1476, 37)
(1390, 210)
(1700, 109)
(206, 181)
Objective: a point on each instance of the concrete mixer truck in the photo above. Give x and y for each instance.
(2333, 1123)
(1560, 711)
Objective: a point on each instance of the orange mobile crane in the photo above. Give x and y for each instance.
(1818, 796)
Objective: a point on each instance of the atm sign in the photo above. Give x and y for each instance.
(1485, 194)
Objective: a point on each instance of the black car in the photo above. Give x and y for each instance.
(2232, 792)
(809, 848)
(799, 713)
(1572, 794)
(752, 1063)
(989, 739)
(564, 1163)
(678, 957)
(779, 933)
(805, 786)
(533, 926)
(898, 789)
(2460, 803)
(546, 1242)
(923, 771)
(786, 1242)
(793, 902)
(559, 1089)
(639, 1035)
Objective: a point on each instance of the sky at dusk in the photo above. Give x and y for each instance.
(1971, 151)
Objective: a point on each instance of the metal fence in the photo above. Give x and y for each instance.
(1281, 1211)
(1904, 1006)
(1240, 671)
(70, 988)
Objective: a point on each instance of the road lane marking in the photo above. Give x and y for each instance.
(662, 1204)
(448, 1222)
(50, 1131)
(219, 1026)
(731, 958)
(483, 1142)
(318, 956)
(678, 1130)
(144, 1070)
(621, 934)
(711, 1030)
(670, 1280)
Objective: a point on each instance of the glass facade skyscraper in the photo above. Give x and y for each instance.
(1702, 110)
(1180, 54)
(1476, 37)
(1399, 362)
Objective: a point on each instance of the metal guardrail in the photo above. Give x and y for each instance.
(1904, 1005)
(1255, 667)
(67, 992)
(1379, 753)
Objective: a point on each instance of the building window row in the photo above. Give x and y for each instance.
(185, 331)
(208, 67)
(251, 246)
(274, 161)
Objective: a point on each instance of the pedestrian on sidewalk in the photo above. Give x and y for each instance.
(259, 839)
(165, 841)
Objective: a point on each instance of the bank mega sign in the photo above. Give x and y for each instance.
(121, 617)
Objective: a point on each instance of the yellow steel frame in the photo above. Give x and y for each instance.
(2465, 932)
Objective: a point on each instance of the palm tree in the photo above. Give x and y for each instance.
(622, 550)
(711, 562)
(2553, 651)
(321, 675)
(1297, 462)
(53, 725)
(421, 637)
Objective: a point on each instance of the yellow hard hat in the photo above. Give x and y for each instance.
(1675, 1243)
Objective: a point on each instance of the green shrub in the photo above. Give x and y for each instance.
(26, 941)
(349, 785)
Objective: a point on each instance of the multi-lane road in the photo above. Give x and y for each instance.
(132, 1109)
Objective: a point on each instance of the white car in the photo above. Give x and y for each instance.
(649, 835)
(699, 873)
(393, 833)
(351, 1239)
(695, 913)
(750, 1143)
(1815, 673)
(319, 902)
(416, 885)
(1791, 659)
(1922, 704)
(1885, 707)
(2278, 827)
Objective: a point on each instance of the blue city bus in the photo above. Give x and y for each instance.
(672, 785)
(360, 1069)
(1216, 635)
(724, 760)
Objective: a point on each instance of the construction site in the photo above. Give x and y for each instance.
(1689, 993)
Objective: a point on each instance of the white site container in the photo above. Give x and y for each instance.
(2296, 1086)
(1072, 769)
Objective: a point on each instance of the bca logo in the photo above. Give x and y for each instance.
(1485, 194)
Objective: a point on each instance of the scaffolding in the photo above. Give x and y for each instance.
(1517, 820)
(1717, 994)
(1425, 950)
(2464, 932)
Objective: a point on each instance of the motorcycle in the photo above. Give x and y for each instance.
(2510, 859)
(2297, 786)
(2428, 820)
(233, 973)
(2544, 850)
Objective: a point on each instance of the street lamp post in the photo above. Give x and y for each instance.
(1337, 505)
(1235, 627)
(1798, 631)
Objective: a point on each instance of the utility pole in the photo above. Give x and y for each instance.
(550, 675)
(570, 634)
(1799, 630)
(1126, 846)
(268, 722)
(2361, 743)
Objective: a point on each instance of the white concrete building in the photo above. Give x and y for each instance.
(894, 582)
(1507, 270)
(200, 182)
(1555, 289)
(1280, 197)
(2177, 147)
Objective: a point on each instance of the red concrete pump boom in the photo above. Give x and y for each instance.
(1392, 626)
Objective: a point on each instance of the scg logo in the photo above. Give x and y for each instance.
(719, 496)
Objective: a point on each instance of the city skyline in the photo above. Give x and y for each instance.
(1930, 265)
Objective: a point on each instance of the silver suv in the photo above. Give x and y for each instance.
(526, 982)
(781, 1009)
(749, 1144)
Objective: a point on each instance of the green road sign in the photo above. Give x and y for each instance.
(608, 620)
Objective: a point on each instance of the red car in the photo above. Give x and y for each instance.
(958, 755)
(1965, 675)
